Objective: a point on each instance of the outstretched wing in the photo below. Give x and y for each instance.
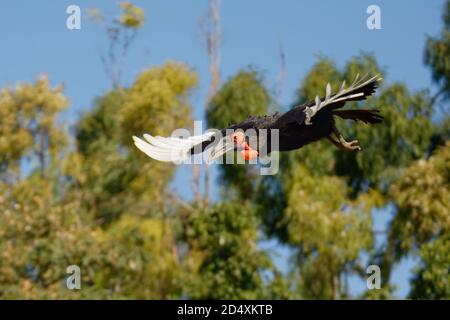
(170, 149)
(215, 142)
(178, 150)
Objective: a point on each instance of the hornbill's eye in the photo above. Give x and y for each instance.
(238, 138)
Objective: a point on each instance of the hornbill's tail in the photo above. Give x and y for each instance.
(366, 116)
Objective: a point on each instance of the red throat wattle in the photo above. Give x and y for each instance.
(249, 154)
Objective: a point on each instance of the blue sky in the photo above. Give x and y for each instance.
(34, 40)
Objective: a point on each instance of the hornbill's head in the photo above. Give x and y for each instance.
(242, 145)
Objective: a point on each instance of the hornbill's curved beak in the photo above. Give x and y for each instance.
(225, 145)
(235, 141)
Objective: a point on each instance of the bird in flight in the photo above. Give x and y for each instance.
(253, 137)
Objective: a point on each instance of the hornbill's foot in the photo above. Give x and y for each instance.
(352, 145)
(342, 143)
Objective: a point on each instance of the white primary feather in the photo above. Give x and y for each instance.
(318, 102)
(328, 92)
(169, 149)
(356, 79)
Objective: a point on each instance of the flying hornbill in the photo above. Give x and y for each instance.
(297, 127)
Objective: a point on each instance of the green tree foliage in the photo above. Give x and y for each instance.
(240, 97)
(125, 193)
(423, 223)
(98, 169)
(422, 195)
(145, 265)
(157, 102)
(432, 277)
(321, 200)
(28, 126)
(36, 233)
(121, 32)
(228, 263)
(132, 16)
(41, 235)
(437, 55)
(97, 208)
(329, 229)
(437, 59)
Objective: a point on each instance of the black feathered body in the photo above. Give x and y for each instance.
(294, 135)
(296, 128)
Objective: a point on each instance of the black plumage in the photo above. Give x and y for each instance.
(308, 122)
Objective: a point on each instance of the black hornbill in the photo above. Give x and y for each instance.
(297, 127)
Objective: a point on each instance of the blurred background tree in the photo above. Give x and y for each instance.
(231, 266)
(93, 200)
(28, 128)
(126, 181)
(121, 32)
(437, 57)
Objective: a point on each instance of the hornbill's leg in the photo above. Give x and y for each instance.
(336, 143)
(341, 143)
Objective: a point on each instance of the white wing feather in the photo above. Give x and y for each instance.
(169, 149)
